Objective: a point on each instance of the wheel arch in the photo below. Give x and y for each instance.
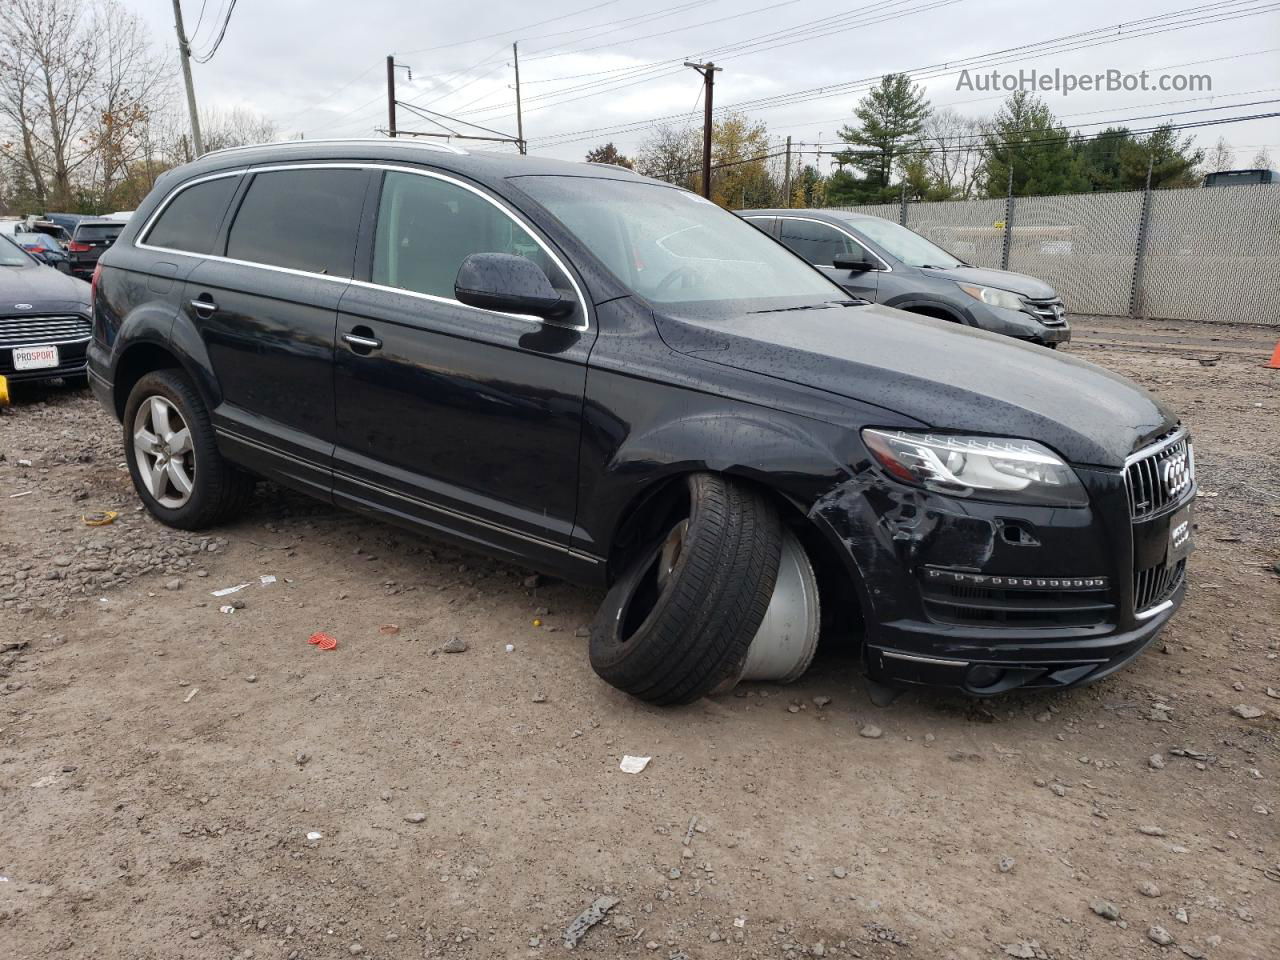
(932, 308)
(147, 348)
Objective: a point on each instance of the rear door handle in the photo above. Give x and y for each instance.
(204, 307)
(360, 343)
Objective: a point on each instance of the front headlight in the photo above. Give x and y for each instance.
(997, 298)
(984, 468)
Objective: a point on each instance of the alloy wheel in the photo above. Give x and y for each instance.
(165, 455)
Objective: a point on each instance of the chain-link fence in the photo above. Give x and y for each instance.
(1195, 254)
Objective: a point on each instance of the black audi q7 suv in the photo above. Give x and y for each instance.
(612, 380)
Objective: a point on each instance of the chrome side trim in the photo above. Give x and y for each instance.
(417, 501)
(914, 658)
(141, 244)
(1159, 608)
(885, 268)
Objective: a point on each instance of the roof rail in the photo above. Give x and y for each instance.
(438, 147)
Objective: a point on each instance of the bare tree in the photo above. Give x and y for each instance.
(951, 151)
(132, 84)
(673, 154)
(1221, 157)
(1262, 159)
(50, 63)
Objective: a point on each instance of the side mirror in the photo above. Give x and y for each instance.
(852, 265)
(510, 284)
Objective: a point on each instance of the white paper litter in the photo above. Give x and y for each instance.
(194, 691)
(632, 764)
(228, 590)
(315, 835)
(267, 579)
(227, 608)
(511, 648)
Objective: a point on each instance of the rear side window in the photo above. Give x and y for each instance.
(427, 227)
(300, 219)
(190, 221)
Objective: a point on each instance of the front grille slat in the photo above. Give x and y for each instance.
(34, 331)
(1049, 312)
(1015, 601)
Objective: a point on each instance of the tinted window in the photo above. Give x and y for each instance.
(301, 219)
(427, 227)
(102, 231)
(818, 242)
(190, 221)
(11, 255)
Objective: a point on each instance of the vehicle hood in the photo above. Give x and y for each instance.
(941, 374)
(43, 287)
(1001, 279)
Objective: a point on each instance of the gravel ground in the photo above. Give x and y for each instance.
(176, 781)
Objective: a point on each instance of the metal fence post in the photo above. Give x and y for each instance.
(1136, 293)
(902, 205)
(1008, 224)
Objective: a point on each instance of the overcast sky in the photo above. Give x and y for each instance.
(318, 66)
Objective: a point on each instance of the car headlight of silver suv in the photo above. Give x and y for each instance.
(993, 296)
(984, 468)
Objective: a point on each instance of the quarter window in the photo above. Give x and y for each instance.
(427, 227)
(300, 219)
(817, 242)
(190, 222)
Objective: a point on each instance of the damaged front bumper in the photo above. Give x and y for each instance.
(987, 597)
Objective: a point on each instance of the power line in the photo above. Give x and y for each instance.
(1082, 40)
(205, 58)
(514, 30)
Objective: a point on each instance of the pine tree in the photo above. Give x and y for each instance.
(891, 116)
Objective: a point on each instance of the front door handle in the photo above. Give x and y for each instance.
(204, 307)
(361, 344)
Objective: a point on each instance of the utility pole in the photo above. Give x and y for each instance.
(184, 54)
(786, 180)
(515, 55)
(708, 71)
(391, 94)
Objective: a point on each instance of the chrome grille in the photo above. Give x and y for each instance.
(42, 331)
(1158, 477)
(1049, 312)
(1154, 585)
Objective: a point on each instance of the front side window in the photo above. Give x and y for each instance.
(907, 245)
(427, 227)
(300, 219)
(673, 247)
(190, 221)
(819, 243)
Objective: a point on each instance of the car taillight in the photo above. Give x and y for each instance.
(75, 246)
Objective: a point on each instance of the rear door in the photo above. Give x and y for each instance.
(266, 309)
(820, 243)
(463, 420)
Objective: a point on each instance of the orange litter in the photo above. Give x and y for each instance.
(323, 641)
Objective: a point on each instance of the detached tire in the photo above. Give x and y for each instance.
(680, 620)
(173, 455)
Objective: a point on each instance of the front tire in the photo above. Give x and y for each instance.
(679, 621)
(173, 455)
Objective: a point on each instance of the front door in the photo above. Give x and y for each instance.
(820, 243)
(461, 420)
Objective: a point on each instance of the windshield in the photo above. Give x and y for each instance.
(11, 255)
(100, 231)
(671, 246)
(908, 246)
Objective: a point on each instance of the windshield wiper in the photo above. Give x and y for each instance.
(826, 305)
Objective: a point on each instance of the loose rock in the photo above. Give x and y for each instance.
(871, 732)
(1160, 935)
(1105, 909)
(455, 645)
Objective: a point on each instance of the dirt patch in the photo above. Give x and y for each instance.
(177, 782)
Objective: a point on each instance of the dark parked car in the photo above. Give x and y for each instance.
(89, 239)
(612, 380)
(44, 319)
(45, 249)
(881, 261)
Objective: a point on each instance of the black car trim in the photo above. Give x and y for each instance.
(141, 244)
(417, 501)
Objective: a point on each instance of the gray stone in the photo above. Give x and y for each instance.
(1006, 864)
(839, 873)
(1105, 909)
(1058, 789)
(1156, 761)
(1247, 711)
(1151, 830)
(415, 818)
(1158, 934)
(455, 645)
(871, 732)
(174, 584)
(1149, 888)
